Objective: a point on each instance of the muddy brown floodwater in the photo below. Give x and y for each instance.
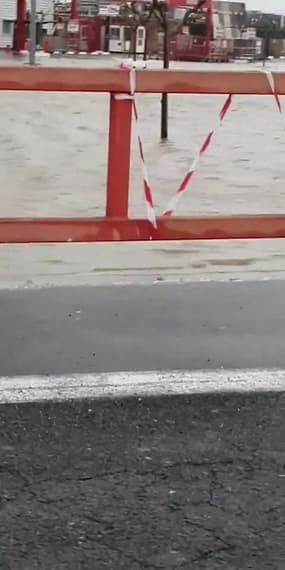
(53, 156)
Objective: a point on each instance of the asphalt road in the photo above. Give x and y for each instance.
(158, 327)
(183, 482)
(191, 482)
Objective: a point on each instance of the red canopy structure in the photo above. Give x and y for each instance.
(20, 28)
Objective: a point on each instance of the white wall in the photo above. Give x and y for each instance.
(7, 12)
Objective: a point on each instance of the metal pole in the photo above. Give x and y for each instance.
(33, 32)
(266, 46)
(164, 97)
(145, 50)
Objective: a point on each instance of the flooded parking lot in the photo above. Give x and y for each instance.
(53, 157)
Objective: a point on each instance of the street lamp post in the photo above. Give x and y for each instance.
(33, 33)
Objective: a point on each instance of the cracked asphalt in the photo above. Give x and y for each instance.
(191, 482)
(161, 483)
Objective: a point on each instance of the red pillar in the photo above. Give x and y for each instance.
(74, 9)
(20, 27)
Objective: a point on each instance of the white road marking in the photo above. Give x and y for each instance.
(23, 389)
(139, 278)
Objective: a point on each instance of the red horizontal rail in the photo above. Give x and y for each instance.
(50, 230)
(148, 81)
(116, 226)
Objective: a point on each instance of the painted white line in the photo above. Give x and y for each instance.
(138, 278)
(23, 389)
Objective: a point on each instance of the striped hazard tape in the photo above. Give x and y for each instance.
(183, 186)
(149, 203)
(172, 204)
(271, 82)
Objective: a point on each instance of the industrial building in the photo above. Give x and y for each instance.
(218, 31)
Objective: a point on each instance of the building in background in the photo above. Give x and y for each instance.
(8, 17)
(232, 32)
(212, 31)
(259, 20)
(229, 19)
(226, 36)
(270, 28)
(218, 30)
(7, 22)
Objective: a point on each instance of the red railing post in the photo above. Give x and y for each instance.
(119, 156)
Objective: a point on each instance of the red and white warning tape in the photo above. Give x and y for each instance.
(207, 141)
(149, 203)
(271, 82)
(172, 204)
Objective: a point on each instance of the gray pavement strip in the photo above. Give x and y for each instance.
(125, 384)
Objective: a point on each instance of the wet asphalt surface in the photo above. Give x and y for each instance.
(160, 483)
(159, 327)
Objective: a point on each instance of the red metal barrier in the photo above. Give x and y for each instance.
(116, 226)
